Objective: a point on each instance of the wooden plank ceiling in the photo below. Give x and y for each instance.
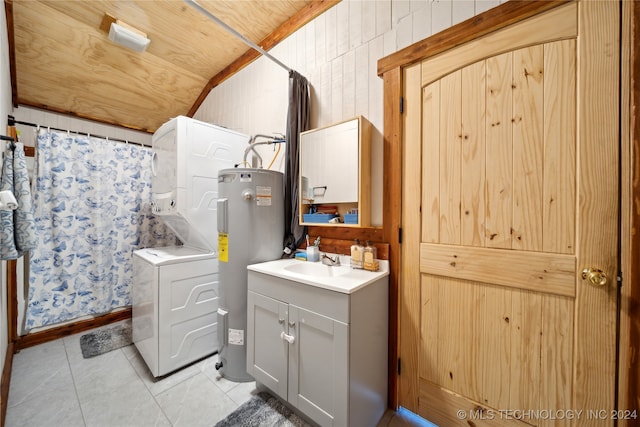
(65, 62)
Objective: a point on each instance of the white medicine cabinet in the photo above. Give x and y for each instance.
(335, 169)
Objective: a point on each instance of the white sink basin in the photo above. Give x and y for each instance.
(339, 278)
(317, 269)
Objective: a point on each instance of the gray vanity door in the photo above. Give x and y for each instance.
(267, 352)
(318, 366)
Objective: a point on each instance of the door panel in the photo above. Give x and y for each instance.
(559, 207)
(511, 186)
(499, 152)
(268, 353)
(430, 157)
(557, 24)
(504, 348)
(318, 380)
(526, 341)
(449, 155)
(557, 383)
(528, 147)
(539, 271)
(473, 154)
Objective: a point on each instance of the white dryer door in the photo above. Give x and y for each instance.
(188, 304)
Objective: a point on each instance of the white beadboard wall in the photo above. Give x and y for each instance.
(338, 53)
(72, 124)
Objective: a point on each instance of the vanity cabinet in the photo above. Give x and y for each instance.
(335, 171)
(324, 352)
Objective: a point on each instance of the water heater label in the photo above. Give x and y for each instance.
(236, 336)
(263, 195)
(223, 247)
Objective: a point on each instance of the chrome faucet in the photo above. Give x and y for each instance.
(327, 260)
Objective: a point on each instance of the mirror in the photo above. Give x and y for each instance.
(334, 172)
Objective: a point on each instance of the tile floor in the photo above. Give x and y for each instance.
(53, 385)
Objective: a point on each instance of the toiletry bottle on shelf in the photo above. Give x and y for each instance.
(356, 254)
(369, 261)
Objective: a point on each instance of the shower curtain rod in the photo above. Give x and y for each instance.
(12, 121)
(224, 25)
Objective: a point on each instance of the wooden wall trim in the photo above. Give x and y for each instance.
(338, 240)
(8, 12)
(373, 234)
(12, 281)
(12, 301)
(5, 383)
(477, 26)
(392, 184)
(70, 329)
(631, 372)
(297, 21)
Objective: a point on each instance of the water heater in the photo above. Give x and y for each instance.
(250, 230)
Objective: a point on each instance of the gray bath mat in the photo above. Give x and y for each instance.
(263, 410)
(105, 339)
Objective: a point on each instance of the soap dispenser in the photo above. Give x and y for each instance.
(356, 254)
(369, 261)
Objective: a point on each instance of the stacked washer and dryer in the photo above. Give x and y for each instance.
(190, 301)
(175, 292)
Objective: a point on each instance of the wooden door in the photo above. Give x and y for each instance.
(510, 190)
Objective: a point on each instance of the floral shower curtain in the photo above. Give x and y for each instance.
(92, 210)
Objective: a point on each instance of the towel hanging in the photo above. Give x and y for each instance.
(11, 142)
(17, 235)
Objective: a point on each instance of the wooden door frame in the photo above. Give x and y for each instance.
(629, 342)
(391, 68)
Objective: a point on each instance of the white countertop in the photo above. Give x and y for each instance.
(345, 280)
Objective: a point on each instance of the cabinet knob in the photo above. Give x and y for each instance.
(280, 320)
(288, 338)
(292, 323)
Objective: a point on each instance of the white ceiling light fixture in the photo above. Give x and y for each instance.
(127, 36)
